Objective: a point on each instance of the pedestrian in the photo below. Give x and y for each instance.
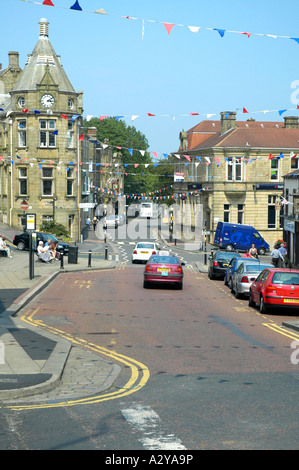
(247, 255)
(87, 223)
(94, 222)
(4, 247)
(253, 251)
(284, 252)
(43, 252)
(276, 256)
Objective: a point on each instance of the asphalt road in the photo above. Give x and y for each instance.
(216, 373)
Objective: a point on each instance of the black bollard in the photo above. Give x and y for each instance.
(89, 259)
(106, 252)
(61, 261)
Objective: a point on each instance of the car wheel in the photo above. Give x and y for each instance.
(263, 306)
(225, 281)
(229, 247)
(250, 301)
(21, 246)
(210, 275)
(262, 251)
(145, 284)
(180, 286)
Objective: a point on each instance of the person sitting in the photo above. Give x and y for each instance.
(247, 255)
(4, 247)
(43, 252)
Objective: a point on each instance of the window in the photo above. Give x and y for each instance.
(69, 181)
(47, 218)
(233, 169)
(271, 212)
(294, 163)
(70, 134)
(240, 213)
(23, 181)
(274, 169)
(47, 181)
(47, 132)
(22, 132)
(226, 213)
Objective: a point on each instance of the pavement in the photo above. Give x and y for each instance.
(36, 365)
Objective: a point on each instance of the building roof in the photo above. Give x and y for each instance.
(268, 135)
(43, 58)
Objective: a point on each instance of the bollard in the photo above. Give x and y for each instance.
(89, 259)
(61, 261)
(106, 252)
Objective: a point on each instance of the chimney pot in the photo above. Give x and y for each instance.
(228, 121)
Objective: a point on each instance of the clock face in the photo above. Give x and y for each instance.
(47, 100)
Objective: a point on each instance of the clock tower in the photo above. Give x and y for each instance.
(39, 134)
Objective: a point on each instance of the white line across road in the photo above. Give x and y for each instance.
(148, 424)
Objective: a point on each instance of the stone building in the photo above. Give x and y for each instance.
(291, 215)
(235, 170)
(41, 151)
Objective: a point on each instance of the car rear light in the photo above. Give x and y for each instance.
(179, 269)
(148, 268)
(215, 263)
(135, 252)
(220, 239)
(154, 253)
(244, 279)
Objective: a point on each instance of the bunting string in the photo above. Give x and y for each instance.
(167, 25)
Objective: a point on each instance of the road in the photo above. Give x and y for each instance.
(212, 372)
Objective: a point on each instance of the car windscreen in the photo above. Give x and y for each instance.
(51, 237)
(255, 268)
(164, 260)
(225, 256)
(286, 278)
(146, 245)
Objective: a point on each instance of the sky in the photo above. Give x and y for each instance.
(129, 67)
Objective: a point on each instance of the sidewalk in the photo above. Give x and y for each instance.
(31, 360)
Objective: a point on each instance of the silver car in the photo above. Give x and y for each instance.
(245, 275)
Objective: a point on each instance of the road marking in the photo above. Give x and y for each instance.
(139, 372)
(148, 423)
(282, 331)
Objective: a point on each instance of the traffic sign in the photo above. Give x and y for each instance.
(24, 205)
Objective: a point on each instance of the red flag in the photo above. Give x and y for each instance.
(247, 34)
(188, 158)
(245, 110)
(270, 156)
(25, 110)
(81, 137)
(149, 114)
(102, 117)
(194, 114)
(48, 2)
(168, 27)
(155, 154)
(64, 116)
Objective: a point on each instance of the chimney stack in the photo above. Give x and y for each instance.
(228, 121)
(291, 122)
(13, 59)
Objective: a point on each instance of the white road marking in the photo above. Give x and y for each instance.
(148, 424)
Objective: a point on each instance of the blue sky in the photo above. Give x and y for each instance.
(173, 74)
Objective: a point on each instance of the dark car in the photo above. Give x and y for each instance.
(21, 241)
(165, 269)
(219, 262)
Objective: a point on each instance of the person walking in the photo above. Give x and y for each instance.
(276, 256)
(284, 252)
(87, 223)
(94, 223)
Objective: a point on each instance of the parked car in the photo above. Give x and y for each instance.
(165, 269)
(21, 241)
(232, 265)
(143, 251)
(244, 276)
(239, 237)
(112, 221)
(218, 263)
(275, 287)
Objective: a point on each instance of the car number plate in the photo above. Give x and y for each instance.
(163, 270)
(225, 264)
(164, 273)
(145, 252)
(293, 301)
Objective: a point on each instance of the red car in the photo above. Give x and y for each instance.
(165, 269)
(275, 287)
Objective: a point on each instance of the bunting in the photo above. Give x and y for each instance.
(167, 25)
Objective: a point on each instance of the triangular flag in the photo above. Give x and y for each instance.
(102, 118)
(270, 157)
(81, 137)
(295, 39)
(55, 132)
(155, 154)
(245, 110)
(149, 114)
(168, 27)
(64, 116)
(282, 111)
(135, 116)
(25, 110)
(194, 114)
(101, 11)
(293, 155)
(194, 29)
(188, 158)
(48, 2)
(76, 6)
(247, 34)
(220, 31)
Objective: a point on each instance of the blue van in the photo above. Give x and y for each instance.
(239, 237)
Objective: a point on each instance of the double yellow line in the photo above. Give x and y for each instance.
(139, 372)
